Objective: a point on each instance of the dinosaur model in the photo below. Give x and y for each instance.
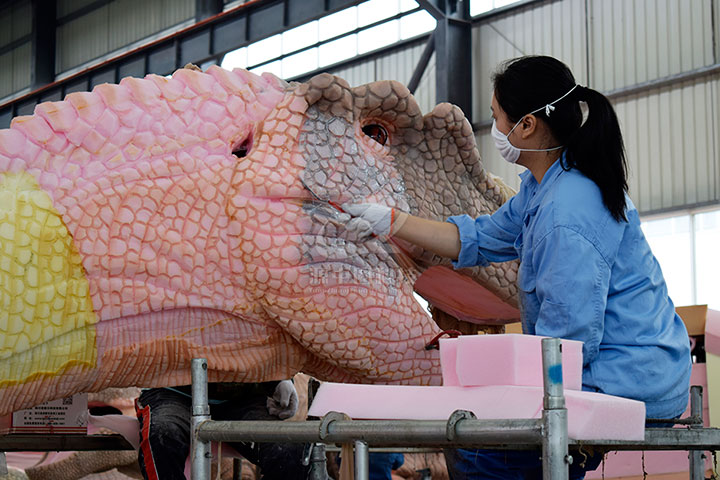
(161, 219)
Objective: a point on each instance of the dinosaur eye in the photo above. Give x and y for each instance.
(241, 149)
(376, 132)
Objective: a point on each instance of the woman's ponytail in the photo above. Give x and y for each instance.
(597, 150)
(594, 147)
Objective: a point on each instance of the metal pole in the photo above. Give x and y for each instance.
(555, 437)
(697, 465)
(318, 463)
(422, 64)
(377, 432)
(201, 455)
(362, 460)
(237, 469)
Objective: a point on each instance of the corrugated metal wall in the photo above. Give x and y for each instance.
(548, 28)
(15, 23)
(634, 41)
(671, 132)
(113, 26)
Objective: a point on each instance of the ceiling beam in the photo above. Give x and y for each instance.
(453, 52)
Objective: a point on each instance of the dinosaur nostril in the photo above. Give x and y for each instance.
(376, 132)
(242, 148)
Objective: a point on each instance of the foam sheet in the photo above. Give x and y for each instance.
(509, 359)
(591, 416)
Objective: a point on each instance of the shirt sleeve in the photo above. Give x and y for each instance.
(489, 238)
(572, 281)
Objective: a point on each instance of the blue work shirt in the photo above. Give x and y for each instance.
(585, 276)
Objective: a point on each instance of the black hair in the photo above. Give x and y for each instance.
(594, 147)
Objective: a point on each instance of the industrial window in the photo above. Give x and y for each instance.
(686, 247)
(343, 35)
(478, 7)
(354, 31)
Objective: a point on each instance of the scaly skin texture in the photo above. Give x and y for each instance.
(163, 219)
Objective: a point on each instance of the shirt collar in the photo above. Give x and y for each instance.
(550, 175)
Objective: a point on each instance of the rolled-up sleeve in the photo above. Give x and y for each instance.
(488, 238)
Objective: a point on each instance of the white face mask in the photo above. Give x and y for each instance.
(510, 152)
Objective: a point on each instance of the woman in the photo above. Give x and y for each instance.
(586, 271)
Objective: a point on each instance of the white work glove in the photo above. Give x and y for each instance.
(284, 402)
(372, 219)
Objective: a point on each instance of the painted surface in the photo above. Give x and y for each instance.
(166, 218)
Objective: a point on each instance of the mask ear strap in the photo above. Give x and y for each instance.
(515, 126)
(550, 107)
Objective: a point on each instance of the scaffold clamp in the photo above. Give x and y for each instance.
(456, 417)
(329, 418)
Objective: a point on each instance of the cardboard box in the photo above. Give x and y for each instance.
(61, 416)
(696, 316)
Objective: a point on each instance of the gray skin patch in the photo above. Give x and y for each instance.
(339, 170)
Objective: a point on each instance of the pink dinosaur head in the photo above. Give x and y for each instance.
(193, 216)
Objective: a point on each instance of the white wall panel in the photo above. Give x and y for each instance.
(137, 19)
(6, 21)
(671, 139)
(22, 59)
(82, 39)
(425, 92)
(116, 25)
(634, 41)
(17, 76)
(65, 7)
(548, 28)
(6, 84)
(15, 22)
(716, 32)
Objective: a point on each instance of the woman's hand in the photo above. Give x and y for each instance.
(368, 219)
(372, 219)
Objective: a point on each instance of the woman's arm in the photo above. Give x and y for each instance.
(441, 238)
(466, 241)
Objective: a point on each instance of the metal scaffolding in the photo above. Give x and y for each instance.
(461, 430)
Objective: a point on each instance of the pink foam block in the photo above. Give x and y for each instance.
(633, 464)
(448, 360)
(591, 416)
(509, 359)
(712, 332)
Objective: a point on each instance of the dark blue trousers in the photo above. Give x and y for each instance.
(509, 464)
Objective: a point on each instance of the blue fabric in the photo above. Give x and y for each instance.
(585, 276)
(382, 465)
(510, 464)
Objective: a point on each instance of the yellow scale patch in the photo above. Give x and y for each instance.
(46, 314)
